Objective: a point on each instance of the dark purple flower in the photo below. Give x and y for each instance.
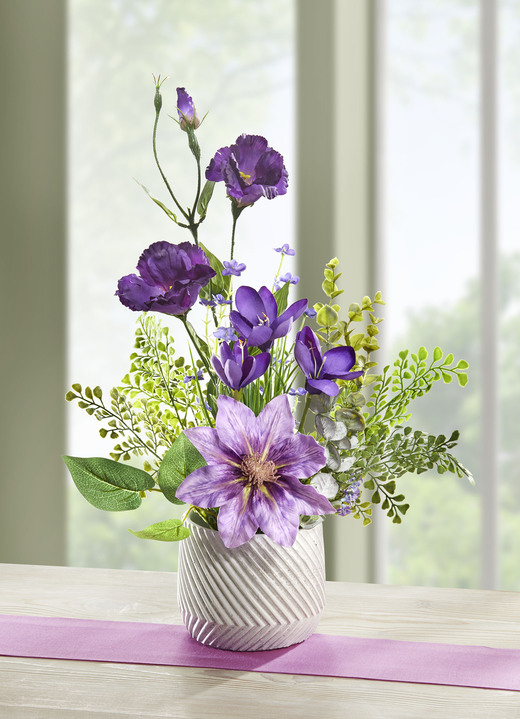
(320, 370)
(256, 316)
(236, 368)
(186, 110)
(232, 267)
(170, 280)
(253, 474)
(250, 170)
(285, 250)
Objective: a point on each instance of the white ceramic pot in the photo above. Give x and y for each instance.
(257, 596)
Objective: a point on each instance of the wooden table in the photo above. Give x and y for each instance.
(55, 689)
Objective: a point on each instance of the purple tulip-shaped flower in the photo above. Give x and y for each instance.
(256, 316)
(320, 370)
(253, 474)
(186, 110)
(250, 170)
(170, 278)
(236, 368)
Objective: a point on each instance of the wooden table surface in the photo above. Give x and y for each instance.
(55, 689)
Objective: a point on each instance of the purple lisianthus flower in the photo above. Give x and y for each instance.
(250, 170)
(225, 333)
(170, 278)
(253, 474)
(320, 370)
(186, 110)
(236, 368)
(285, 249)
(256, 316)
(232, 267)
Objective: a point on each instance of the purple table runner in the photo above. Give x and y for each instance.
(321, 655)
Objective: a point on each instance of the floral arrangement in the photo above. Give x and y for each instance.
(279, 417)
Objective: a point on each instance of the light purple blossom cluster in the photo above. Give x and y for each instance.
(350, 497)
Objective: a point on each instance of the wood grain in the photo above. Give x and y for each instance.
(51, 689)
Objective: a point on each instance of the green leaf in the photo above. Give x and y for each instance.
(437, 354)
(108, 485)
(463, 378)
(170, 530)
(423, 353)
(220, 284)
(462, 364)
(282, 297)
(205, 197)
(180, 460)
(163, 207)
(447, 377)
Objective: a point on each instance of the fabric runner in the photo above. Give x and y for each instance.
(321, 655)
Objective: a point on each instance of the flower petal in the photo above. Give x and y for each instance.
(271, 308)
(275, 423)
(276, 514)
(337, 361)
(299, 456)
(210, 486)
(206, 440)
(307, 499)
(236, 426)
(236, 523)
(294, 311)
(135, 293)
(327, 386)
(260, 336)
(249, 304)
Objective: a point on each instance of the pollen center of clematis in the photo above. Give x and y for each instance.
(258, 471)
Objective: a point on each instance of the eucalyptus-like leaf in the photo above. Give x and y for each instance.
(321, 403)
(333, 459)
(107, 484)
(170, 530)
(331, 430)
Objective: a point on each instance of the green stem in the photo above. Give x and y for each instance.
(154, 143)
(196, 343)
(304, 413)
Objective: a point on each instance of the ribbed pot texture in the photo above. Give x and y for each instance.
(257, 596)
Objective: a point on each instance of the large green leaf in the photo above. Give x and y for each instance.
(170, 530)
(108, 485)
(220, 284)
(282, 297)
(205, 197)
(180, 460)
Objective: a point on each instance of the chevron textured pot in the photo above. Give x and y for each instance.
(257, 596)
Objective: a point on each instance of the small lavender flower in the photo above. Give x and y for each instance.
(350, 497)
(190, 377)
(233, 267)
(310, 312)
(285, 250)
(293, 279)
(299, 391)
(225, 333)
(221, 300)
(208, 303)
(255, 464)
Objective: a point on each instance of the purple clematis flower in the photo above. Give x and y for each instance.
(236, 368)
(186, 110)
(320, 370)
(253, 474)
(170, 280)
(256, 316)
(250, 170)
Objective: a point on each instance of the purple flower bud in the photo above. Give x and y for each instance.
(310, 312)
(233, 267)
(236, 368)
(186, 110)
